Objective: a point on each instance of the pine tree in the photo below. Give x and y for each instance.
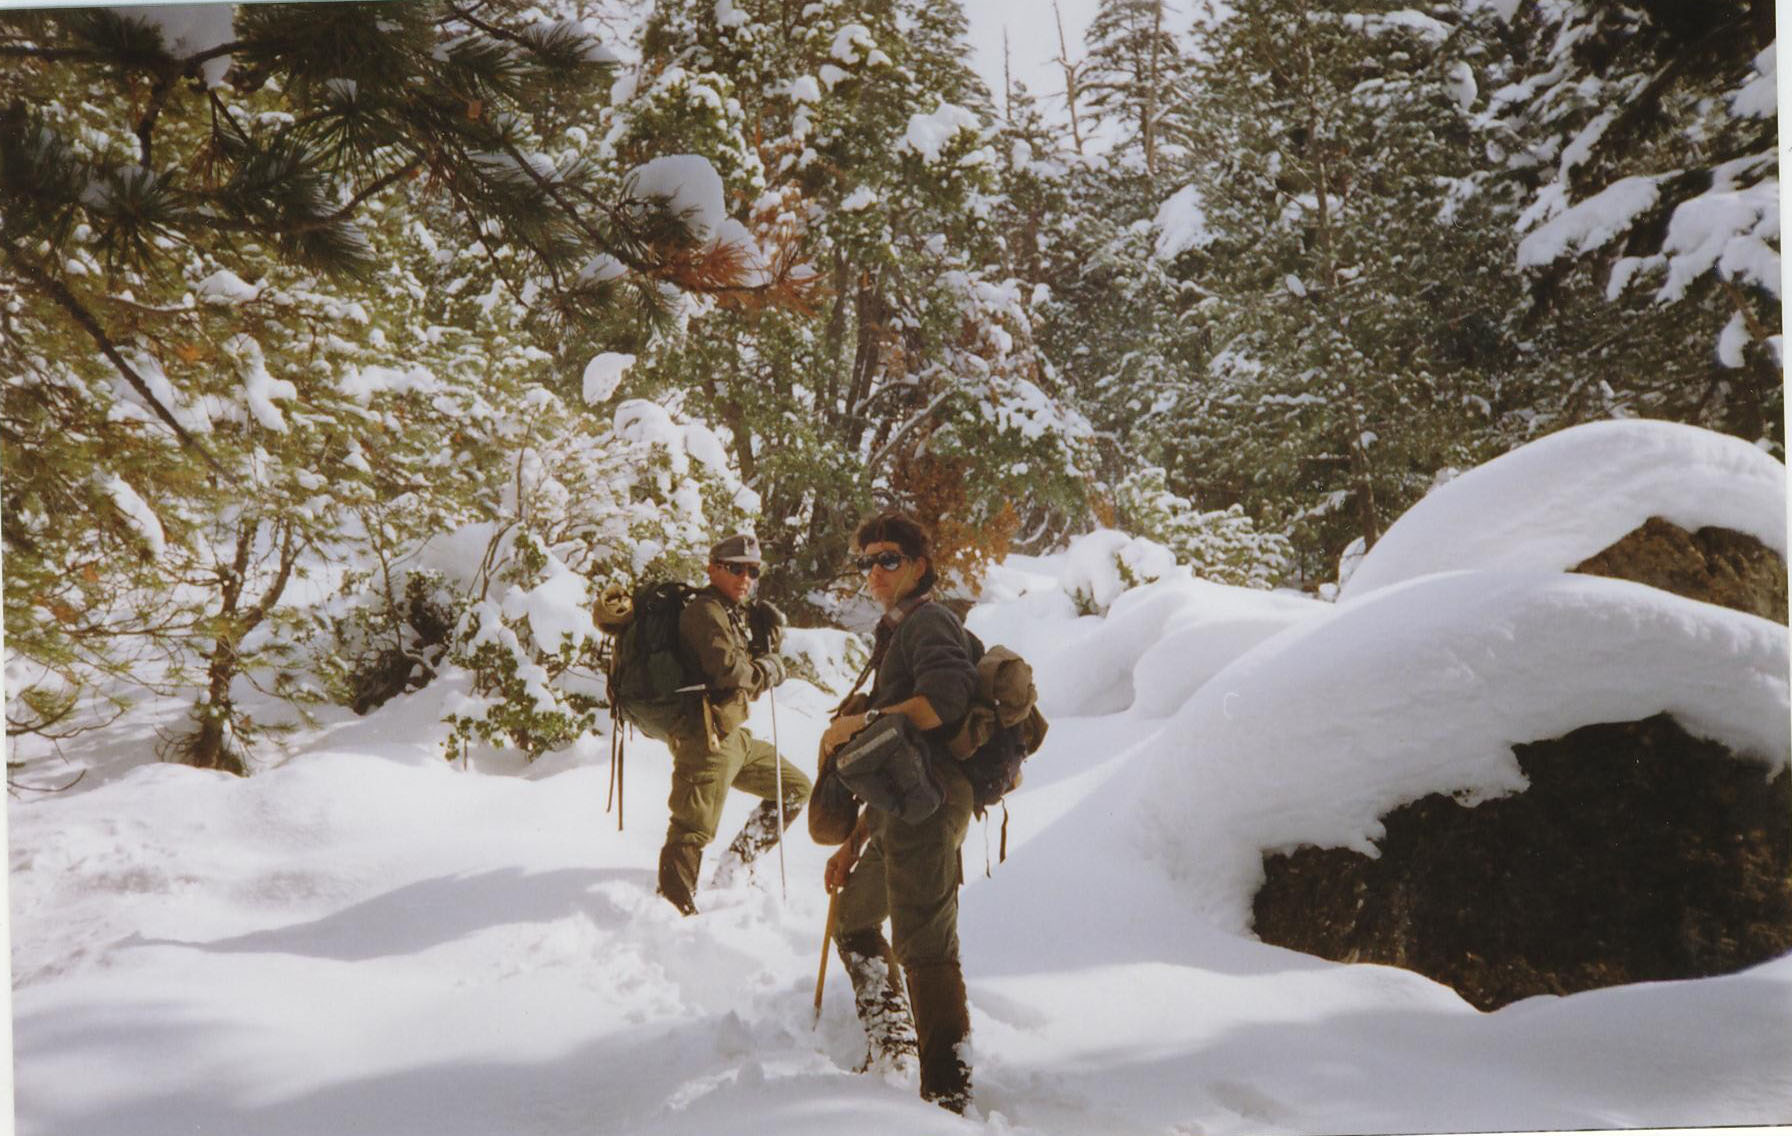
(224, 366)
(1357, 285)
(1135, 76)
(915, 379)
(1643, 139)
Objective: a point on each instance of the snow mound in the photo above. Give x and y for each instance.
(1101, 565)
(1553, 503)
(1424, 689)
(1155, 646)
(225, 288)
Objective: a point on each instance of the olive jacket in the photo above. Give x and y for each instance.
(713, 630)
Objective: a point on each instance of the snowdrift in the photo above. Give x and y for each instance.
(1156, 643)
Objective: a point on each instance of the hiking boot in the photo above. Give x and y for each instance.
(943, 1024)
(890, 1044)
(678, 875)
(756, 837)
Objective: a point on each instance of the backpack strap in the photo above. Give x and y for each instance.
(886, 634)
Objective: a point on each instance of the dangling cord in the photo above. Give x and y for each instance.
(615, 745)
(1004, 858)
(621, 752)
(987, 873)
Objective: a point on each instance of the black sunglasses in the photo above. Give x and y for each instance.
(888, 561)
(737, 569)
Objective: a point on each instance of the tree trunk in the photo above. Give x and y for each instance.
(869, 307)
(1148, 115)
(1367, 521)
(210, 746)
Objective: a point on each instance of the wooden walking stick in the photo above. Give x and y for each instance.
(827, 939)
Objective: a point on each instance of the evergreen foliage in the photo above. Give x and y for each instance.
(917, 379)
(348, 347)
(1644, 135)
(234, 360)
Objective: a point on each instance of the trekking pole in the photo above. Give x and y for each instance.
(827, 937)
(778, 779)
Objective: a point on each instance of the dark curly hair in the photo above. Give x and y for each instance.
(906, 533)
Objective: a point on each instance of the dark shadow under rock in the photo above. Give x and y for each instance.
(1719, 566)
(1638, 853)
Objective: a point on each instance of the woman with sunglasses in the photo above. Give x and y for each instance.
(888, 868)
(712, 750)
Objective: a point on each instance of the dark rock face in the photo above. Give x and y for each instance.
(1719, 566)
(1638, 853)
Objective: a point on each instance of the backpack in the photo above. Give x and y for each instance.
(1002, 728)
(648, 669)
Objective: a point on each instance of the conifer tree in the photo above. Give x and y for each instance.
(915, 378)
(1642, 137)
(1134, 78)
(1350, 269)
(224, 368)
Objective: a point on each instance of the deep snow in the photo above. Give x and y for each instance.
(365, 938)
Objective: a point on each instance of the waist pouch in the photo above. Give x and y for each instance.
(887, 766)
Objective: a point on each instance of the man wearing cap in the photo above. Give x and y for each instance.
(733, 647)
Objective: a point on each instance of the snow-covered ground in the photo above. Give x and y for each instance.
(368, 939)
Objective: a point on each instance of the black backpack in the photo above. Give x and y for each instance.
(648, 668)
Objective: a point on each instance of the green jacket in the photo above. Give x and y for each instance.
(713, 630)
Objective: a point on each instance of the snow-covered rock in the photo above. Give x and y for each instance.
(1637, 853)
(1563, 498)
(1714, 565)
(1315, 735)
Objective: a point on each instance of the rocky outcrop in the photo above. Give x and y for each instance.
(1638, 853)
(1719, 566)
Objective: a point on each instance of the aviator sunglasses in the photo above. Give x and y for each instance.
(888, 561)
(738, 569)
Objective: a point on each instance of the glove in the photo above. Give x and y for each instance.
(765, 629)
(770, 670)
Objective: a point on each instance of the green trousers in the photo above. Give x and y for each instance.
(701, 778)
(910, 875)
